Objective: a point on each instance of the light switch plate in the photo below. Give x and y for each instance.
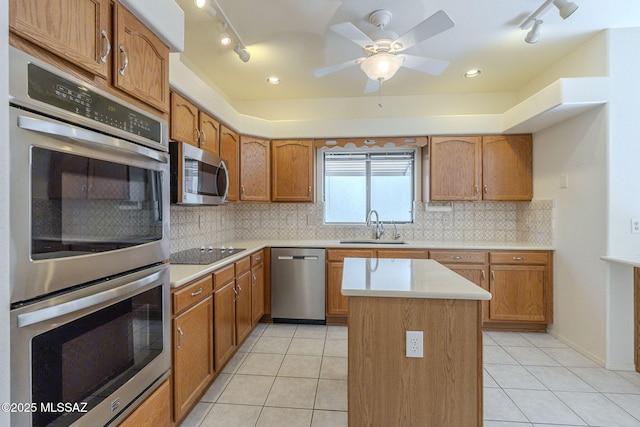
(415, 344)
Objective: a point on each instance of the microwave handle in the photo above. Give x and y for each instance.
(226, 173)
(88, 137)
(69, 307)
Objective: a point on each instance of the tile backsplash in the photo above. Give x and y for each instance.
(472, 222)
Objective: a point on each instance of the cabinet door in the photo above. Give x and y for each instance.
(518, 293)
(76, 30)
(192, 355)
(155, 411)
(257, 293)
(243, 306)
(229, 146)
(337, 304)
(455, 168)
(292, 169)
(224, 324)
(255, 167)
(141, 67)
(183, 120)
(209, 134)
(476, 274)
(507, 167)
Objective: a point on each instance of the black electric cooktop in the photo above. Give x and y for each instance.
(203, 256)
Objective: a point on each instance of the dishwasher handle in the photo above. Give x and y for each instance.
(303, 257)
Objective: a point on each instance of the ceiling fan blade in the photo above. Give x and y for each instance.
(372, 86)
(353, 33)
(321, 72)
(433, 25)
(425, 65)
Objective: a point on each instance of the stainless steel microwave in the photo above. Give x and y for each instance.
(198, 177)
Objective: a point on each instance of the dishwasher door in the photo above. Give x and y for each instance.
(298, 285)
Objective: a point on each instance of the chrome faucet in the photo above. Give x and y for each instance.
(379, 225)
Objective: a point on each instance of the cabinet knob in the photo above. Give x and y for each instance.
(125, 64)
(107, 49)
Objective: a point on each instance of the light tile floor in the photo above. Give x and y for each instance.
(296, 375)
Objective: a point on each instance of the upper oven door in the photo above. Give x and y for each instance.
(84, 205)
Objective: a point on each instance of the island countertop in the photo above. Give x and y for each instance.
(406, 278)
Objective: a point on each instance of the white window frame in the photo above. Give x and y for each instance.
(417, 178)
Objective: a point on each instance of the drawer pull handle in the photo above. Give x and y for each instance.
(476, 189)
(198, 292)
(204, 137)
(107, 49)
(482, 276)
(255, 279)
(456, 257)
(486, 189)
(518, 258)
(239, 288)
(181, 337)
(235, 291)
(197, 134)
(493, 276)
(258, 258)
(125, 64)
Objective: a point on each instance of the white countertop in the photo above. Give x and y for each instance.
(406, 278)
(633, 261)
(182, 274)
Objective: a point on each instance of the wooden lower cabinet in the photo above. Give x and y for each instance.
(224, 321)
(257, 288)
(155, 411)
(337, 304)
(192, 355)
(243, 306)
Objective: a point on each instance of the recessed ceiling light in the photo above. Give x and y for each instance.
(273, 80)
(200, 3)
(473, 73)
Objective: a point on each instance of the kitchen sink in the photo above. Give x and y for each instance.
(374, 242)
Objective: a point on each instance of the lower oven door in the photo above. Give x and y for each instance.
(83, 357)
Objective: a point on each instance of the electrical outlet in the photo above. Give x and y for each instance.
(635, 225)
(415, 344)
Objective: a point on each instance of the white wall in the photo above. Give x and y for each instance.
(4, 212)
(577, 148)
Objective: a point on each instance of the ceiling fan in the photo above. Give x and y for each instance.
(382, 58)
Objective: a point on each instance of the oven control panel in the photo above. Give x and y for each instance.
(72, 97)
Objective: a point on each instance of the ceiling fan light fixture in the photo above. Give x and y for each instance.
(565, 8)
(381, 66)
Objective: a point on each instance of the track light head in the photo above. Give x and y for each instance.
(242, 53)
(565, 7)
(534, 35)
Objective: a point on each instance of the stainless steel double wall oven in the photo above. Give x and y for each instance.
(89, 248)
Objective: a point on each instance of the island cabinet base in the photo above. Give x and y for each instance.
(385, 388)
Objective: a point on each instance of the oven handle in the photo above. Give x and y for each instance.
(87, 137)
(63, 309)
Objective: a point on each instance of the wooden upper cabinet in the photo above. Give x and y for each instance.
(255, 169)
(141, 66)
(76, 30)
(183, 120)
(292, 167)
(455, 168)
(507, 172)
(209, 133)
(229, 151)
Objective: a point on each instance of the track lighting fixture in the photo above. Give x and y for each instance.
(565, 9)
(242, 52)
(534, 34)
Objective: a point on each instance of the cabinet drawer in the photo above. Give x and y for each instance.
(223, 276)
(243, 265)
(459, 257)
(192, 293)
(341, 254)
(257, 258)
(403, 253)
(521, 257)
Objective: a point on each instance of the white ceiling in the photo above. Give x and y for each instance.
(290, 38)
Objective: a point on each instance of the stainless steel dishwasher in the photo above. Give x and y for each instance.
(298, 285)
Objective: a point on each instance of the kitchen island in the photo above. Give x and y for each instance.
(387, 298)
